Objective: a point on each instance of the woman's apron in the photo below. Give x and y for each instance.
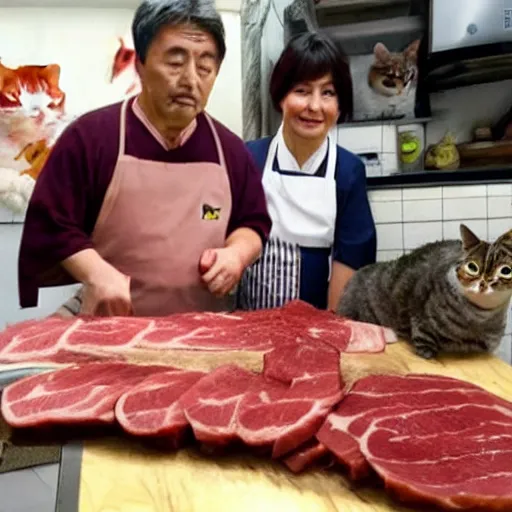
(154, 225)
(303, 212)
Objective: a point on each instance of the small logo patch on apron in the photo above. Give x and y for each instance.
(210, 213)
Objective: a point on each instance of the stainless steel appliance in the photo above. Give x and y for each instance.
(467, 23)
(470, 42)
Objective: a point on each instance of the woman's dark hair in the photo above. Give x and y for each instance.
(310, 56)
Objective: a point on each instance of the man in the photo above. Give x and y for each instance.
(150, 204)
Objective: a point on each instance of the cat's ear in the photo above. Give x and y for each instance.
(411, 52)
(505, 237)
(469, 239)
(381, 53)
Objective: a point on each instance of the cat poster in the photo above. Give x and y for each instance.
(53, 68)
(385, 83)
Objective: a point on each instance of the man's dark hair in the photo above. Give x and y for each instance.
(310, 56)
(152, 15)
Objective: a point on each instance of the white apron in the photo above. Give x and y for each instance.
(303, 212)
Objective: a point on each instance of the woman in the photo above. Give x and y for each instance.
(323, 229)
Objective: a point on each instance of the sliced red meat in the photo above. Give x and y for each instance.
(341, 333)
(32, 340)
(151, 408)
(286, 416)
(88, 338)
(109, 333)
(432, 439)
(71, 396)
(295, 411)
(212, 334)
(305, 456)
(345, 449)
(289, 361)
(365, 337)
(211, 405)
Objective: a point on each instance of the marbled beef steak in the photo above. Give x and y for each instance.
(432, 439)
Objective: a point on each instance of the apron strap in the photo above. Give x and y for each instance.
(122, 128)
(218, 144)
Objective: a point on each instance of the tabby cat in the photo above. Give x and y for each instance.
(445, 296)
(385, 83)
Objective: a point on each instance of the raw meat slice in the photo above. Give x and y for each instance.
(299, 359)
(432, 439)
(88, 338)
(32, 339)
(211, 405)
(345, 449)
(213, 335)
(111, 333)
(152, 408)
(286, 416)
(341, 333)
(72, 396)
(365, 337)
(305, 456)
(294, 412)
(63, 340)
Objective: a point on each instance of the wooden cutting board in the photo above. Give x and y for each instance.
(120, 476)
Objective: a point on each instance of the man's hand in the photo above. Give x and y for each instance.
(221, 269)
(106, 291)
(110, 296)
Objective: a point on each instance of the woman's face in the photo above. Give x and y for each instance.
(311, 109)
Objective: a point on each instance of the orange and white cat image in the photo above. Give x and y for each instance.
(123, 68)
(35, 153)
(32, 115)
(25, 81)
(32, 106)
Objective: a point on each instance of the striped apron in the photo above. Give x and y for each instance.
(303, 211)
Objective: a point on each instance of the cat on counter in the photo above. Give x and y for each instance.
(385, 83)
(446, 296)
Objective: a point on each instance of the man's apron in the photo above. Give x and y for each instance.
(156, 221)
(303, 212)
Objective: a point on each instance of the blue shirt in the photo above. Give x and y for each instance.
(355, 240)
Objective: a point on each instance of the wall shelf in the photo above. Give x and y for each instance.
(458, 177)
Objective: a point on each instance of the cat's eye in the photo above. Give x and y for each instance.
(472, 268)
(505, 271)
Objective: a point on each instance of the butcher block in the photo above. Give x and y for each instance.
(114, 474)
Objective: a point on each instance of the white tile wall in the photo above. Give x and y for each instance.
(418, 233)
(409, 217)
(420, 211)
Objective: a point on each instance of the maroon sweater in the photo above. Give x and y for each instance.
(70, 190)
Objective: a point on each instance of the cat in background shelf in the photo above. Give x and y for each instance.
(385, 83)
(449, 296)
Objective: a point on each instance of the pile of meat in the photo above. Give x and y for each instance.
(60, 340)
(429, 439)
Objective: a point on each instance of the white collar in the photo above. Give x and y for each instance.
(287, 161)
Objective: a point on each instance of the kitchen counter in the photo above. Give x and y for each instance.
(458, 178)
(117, 475)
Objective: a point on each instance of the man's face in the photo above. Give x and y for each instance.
(181, 66)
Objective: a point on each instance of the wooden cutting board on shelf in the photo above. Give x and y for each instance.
(121, 476)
